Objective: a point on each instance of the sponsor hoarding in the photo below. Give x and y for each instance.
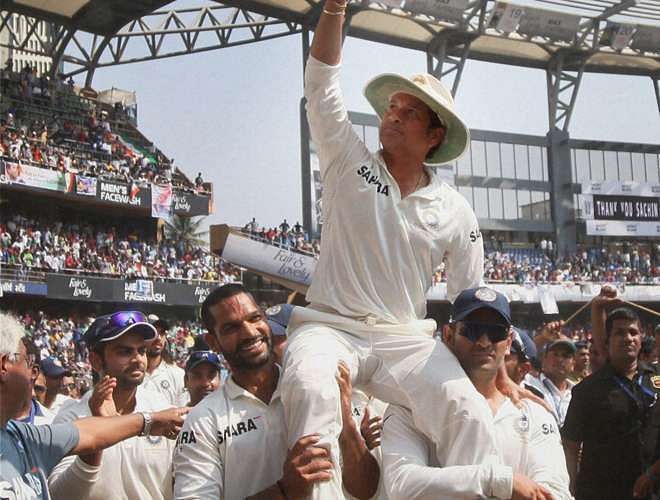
(36, 177)
(118, 193)
(613, 208)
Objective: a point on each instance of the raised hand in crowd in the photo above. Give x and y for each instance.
(601, 304)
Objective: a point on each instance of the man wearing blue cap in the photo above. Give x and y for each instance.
(530, 460)
(139, 467)
(54, 374)
(520, 361)
(202, 374)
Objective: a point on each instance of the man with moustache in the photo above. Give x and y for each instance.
(162, 374)
(139, 467)
(612, 425)
(531, 460)
(233, 444)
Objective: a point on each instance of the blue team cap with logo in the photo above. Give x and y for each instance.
(198, 357)
(278, 318)
(52, 367)
(472, 299)
(112, 326)
(523, 345)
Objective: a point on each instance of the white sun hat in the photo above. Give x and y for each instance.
(428, 89)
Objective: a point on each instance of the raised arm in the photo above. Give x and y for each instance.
(326, 46)
(600, 306)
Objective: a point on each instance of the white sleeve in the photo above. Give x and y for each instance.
(465, 258)
(198, 464)
(546, 462)
(408, 475)
(330, 128)
(72, 477)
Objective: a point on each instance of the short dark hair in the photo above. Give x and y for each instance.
(218, 295)
(619, 313)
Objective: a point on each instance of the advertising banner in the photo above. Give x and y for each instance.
(123, 194)
(270, 259)
(184, 203)
(161, 201)
(86, 186)
(81, 287)
(37, 177)
(23, 287)
(613, 208)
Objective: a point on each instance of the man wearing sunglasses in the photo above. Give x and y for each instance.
(139, 467)
(529, 463)
(202, 375)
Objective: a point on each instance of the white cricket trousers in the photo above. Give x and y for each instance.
(399, 364)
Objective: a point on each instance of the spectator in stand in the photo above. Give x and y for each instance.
(199, 181)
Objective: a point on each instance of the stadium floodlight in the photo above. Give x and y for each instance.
(67, 8)
(447, 10)
(617, 35)
(646, 39)
(549, 24)
(505, 17)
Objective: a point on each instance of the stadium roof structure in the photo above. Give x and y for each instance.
(604, 35)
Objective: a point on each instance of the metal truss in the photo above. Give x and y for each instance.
(564, 74)
(171, 33)
(444, 66)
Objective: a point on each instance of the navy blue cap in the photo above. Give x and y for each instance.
(197, 357)
(52, 367)
(472, 299)
(112, 326)
(562, 341)
(278, 318)
(523, 344)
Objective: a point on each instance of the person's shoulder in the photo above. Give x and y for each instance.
(212, 408)
(73, 410)
(150, 400)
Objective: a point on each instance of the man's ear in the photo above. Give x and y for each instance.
(4, 359)
(437, 135)
(448, 333)
(509, 341)
(96, 362)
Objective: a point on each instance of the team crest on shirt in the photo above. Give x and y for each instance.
(655, 381)
(273, 310)
(165, 384)
(522, 424)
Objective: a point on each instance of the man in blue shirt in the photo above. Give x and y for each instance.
(27, 452)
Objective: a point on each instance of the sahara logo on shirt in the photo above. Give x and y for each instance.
(371, 178)
(235, 430)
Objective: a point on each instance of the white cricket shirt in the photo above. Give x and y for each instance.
(232, 445)
(379, 251)
(138, 467)
(528, 443)
(167, 380)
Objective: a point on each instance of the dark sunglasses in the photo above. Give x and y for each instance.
(39, 388)
(123, 319)
(474, 331)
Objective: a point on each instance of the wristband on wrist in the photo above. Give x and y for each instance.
(281, 488)
(338, 13)
(146, 426)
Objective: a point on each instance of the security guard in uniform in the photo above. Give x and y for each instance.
(613, 415)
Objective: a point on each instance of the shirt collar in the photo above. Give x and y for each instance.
(235, 391)
(429, 192)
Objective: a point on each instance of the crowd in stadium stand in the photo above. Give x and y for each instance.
(50, 244)
(37, 128)
(291, 237)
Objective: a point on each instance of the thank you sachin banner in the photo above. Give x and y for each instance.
(613, 208)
